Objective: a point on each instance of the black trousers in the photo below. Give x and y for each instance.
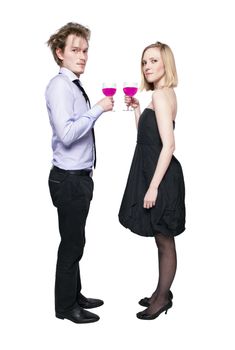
(71, 194)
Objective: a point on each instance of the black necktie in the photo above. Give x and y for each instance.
(77, 82)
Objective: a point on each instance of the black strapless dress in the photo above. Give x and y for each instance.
(168, 215)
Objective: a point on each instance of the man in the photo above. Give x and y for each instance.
(70, 182)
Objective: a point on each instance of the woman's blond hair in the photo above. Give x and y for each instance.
(171, 78)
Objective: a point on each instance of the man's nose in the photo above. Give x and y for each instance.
(82, 55)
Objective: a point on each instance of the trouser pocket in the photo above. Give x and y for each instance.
(57, 184)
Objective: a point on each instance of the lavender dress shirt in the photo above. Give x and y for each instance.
(71, 121)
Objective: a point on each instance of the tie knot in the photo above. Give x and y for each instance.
(77, 82)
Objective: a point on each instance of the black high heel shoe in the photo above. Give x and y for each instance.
(145, 301)
(144, 316)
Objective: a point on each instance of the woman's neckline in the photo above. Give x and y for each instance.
(154, 112)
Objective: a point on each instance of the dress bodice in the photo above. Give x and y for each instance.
(148, 132)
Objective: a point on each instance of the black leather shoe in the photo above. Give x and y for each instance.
(89, 303)
(145, 301)
(144, 316)
(78, 315)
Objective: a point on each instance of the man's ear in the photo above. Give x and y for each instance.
(59, 53)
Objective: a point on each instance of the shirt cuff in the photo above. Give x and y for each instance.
(95, 111)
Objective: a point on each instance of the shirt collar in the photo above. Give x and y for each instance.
(68, 73)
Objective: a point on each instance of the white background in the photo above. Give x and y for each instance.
(118, 266)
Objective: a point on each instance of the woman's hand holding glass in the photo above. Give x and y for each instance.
(130, 89)
(131, 102)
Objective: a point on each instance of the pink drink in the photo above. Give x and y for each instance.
(109, 91)
(130, 91)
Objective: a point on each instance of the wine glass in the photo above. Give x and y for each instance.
(109, 89)
(130, 89)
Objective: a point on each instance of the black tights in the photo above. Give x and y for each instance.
(167, 262)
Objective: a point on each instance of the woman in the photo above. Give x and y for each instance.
(153, 201)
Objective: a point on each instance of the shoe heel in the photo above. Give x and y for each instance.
(59, 316)
(167, 309)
